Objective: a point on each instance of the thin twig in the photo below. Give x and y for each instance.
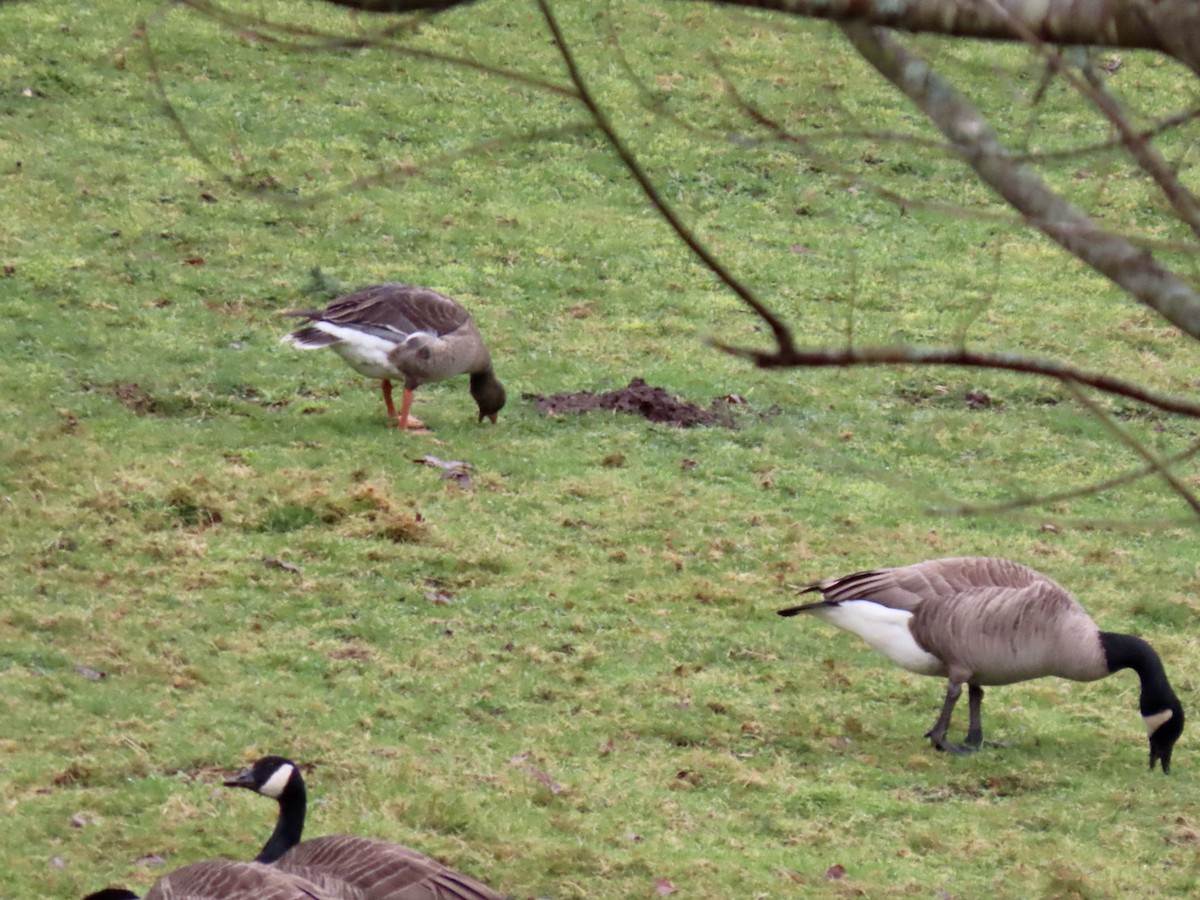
(1087, 490)
(1112, 255)
(845, 357)
(782, 333)
(1149, 456)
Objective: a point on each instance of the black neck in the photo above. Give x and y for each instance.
(1124, 651)
(289, 827)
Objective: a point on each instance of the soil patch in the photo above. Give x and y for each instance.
(640, 399)
(130, 394)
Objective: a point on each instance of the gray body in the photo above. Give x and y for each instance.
(347, 866)
(988, 621)
(411, 334)
(980, 621)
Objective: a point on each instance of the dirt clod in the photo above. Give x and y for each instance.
(639, 398)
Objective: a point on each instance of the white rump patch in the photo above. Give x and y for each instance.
(279, 779)
(366, 353)
(886, 630)
(1153, 722)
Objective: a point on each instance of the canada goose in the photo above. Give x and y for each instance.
(408, 333)
(224, 879)
(985, 621)
(361, 867)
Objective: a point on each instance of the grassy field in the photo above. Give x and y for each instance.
(567, 677)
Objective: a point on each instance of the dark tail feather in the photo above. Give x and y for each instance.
(310, 338)
(796, 610)
(805, 589)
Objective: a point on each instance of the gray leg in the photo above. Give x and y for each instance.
(975, 730)
(937, 734)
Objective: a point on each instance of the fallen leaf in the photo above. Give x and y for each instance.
(271, 563)
(534, 772)
(834, 872)
(452, 469)
(663, 887)
(978, 399)
(521, 759)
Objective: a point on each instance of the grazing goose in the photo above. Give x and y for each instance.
(344, 864)
(396, 331)
(224, 879)
(979, 620)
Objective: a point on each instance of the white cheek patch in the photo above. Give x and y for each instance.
(275, 785)
(1153, 722)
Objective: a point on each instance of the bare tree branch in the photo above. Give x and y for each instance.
(844, 357)
(400, 6)
(1112, 255)
(783, 334)
(1172, 26)
(323, 41)
(1147, 156)
(1136, 446)
(1076, 493)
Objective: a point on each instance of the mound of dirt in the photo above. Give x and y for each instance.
(639, 399)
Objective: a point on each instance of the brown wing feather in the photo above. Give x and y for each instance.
(393, 307)
(223, 879)
(381, 871)
(906, 587)
(992, 621)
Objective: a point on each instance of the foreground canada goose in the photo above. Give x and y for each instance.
(224, 879)
(411, 334)
(343, 864)
(980, 620)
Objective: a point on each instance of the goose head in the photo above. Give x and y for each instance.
(271, 776)
(1165, 728)
(488, 393)
(279, 779)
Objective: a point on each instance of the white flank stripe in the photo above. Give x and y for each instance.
(277, 782)
(886, 630)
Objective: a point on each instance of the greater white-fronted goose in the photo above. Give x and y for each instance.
(224, 879)
(360, 867)
(986, 621)
(410, 334)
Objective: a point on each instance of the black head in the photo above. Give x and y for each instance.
(1165, 729)
(112, 894)
(488, 393)
(271, 776)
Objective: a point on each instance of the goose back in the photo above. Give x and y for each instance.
(223, 879)
(386, 330)
(991, 621)
(376, 870)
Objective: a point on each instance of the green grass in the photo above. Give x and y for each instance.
(611, 584)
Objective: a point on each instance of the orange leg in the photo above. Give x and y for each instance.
(387, 398)
(407, 421)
